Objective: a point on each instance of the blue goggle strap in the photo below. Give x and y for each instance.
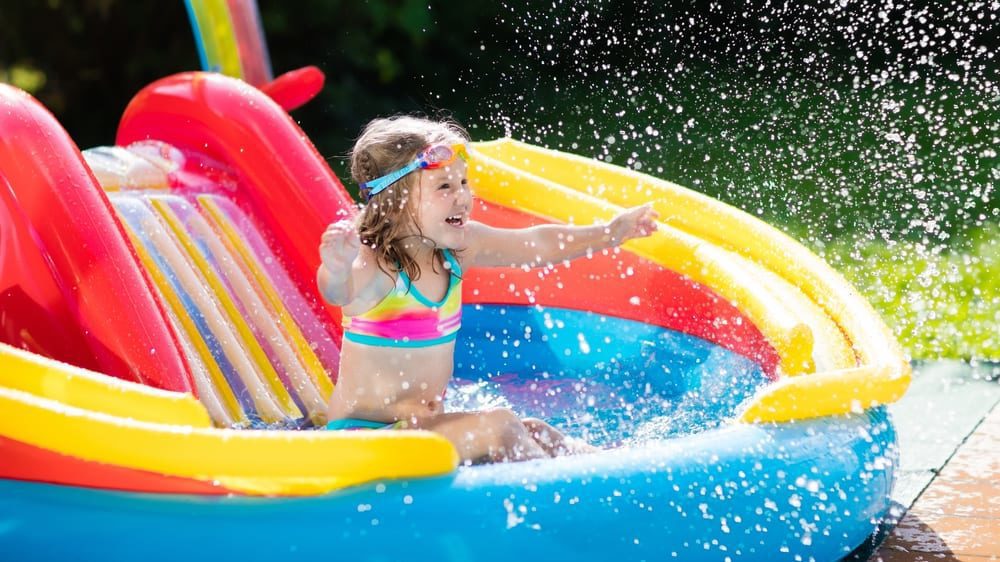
(378, 185)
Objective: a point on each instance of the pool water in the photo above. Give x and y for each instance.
(607, 380)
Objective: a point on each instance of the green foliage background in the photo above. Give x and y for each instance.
(866, 129)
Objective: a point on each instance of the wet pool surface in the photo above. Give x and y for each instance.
(949, 437)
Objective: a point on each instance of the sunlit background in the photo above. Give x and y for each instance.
(868, 130)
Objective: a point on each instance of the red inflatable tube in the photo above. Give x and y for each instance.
(296, 87)
(70, 285)
(22, 461)
(621, 285)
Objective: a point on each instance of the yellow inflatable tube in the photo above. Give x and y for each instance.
(79, 388)
(880, 372)
(826, 394)
(253, 462)
(94, 417)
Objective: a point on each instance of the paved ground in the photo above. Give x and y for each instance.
(948, 492)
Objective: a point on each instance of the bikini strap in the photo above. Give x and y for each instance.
(456, 269)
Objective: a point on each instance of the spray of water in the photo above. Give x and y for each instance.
(868, 130)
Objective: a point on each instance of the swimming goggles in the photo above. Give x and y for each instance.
(432, 157)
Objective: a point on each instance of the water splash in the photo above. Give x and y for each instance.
(866, 129)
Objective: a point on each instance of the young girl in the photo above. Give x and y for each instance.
(397, 275)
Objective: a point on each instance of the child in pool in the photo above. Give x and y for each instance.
(397, 274)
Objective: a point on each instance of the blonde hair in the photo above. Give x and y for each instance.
(385, 145)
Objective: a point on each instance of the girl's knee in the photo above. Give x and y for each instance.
(535, 424)
(502, 418)
(508, 435)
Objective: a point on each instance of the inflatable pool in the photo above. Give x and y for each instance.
(166, 355)
(735, 381)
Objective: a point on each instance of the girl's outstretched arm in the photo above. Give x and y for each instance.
(547, 244)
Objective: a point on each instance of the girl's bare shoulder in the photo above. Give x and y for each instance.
(374, 282)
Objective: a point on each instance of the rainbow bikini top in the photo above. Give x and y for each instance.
(406, 318)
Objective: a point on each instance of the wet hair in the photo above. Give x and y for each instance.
(386, 221)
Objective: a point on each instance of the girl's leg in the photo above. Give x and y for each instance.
(491, 435)
(554, 442)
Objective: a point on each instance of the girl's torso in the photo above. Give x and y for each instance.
(397, 357)
(390, 384)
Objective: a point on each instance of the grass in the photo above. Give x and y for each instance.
(942, 302)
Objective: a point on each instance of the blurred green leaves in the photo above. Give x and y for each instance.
(24, 76)
(943, 303)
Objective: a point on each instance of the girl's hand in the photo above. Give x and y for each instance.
(339, 246)
(633, 223)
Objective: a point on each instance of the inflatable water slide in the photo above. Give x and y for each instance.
(166, 358)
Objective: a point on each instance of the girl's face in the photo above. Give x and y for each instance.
(444, 202)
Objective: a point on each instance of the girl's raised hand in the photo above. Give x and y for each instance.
(339, 246)
(633, 223)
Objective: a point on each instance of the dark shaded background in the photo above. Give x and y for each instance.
(873, 118)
